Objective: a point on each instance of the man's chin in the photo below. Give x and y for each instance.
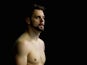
(41, 28)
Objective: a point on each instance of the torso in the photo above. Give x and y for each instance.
(36, 54)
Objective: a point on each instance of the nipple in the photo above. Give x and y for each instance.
(34, 59)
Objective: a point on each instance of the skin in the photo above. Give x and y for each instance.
(30, 49)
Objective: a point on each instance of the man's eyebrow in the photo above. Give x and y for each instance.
(39, 16)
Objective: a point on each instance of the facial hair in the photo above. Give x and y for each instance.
(39, 27)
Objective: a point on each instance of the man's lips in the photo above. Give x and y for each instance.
(41, 24)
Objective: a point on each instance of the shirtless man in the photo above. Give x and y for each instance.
(29, 48)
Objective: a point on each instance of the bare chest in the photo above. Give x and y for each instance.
(37, 54)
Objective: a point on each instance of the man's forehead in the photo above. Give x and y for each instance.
(38, 12)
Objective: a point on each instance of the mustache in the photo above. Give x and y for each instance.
(41, 24)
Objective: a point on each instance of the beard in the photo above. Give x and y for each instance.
(39, 27)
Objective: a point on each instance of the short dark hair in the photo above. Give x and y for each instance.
(32, 7)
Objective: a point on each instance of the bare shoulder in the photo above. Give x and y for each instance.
(22, 41)
(42, 43)
(22, 46)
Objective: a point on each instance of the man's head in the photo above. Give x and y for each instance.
(35, 17)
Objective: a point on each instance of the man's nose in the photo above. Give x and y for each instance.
(42, 20)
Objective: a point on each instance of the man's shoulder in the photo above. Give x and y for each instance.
(22, 45)
(23, 39)
(40, 40)
(21, 42)
(42, 43)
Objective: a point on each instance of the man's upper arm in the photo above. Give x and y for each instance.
(21, 53)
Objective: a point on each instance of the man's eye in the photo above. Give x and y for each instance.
(37, 17)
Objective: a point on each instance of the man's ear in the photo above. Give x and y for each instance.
(27, 19)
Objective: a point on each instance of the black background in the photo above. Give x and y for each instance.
(61, 34)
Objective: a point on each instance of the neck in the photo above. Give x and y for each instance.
(33, 33)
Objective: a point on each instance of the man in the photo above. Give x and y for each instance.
(29, 48)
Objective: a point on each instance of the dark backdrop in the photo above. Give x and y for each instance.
(61, 34)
